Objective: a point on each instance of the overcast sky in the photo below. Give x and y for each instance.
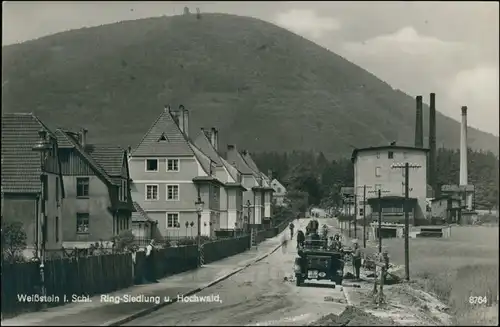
(450, 48)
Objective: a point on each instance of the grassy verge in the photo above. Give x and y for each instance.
(454, 269)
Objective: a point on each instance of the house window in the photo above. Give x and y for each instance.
(57, 229)
(173, 220)
(216, 193)
(82, 223)
(378, 155)
(390, 155)
(172, 192)
(279, 190)
(82, 187)
(361, 212)
(377, 171)
(151, 164)
(172, 164)
(123, 191)
(151, 192)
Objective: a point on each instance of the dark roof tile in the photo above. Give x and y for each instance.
(175, 144)
(20, 164)
(140, 215)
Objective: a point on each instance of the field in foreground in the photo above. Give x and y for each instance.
(454, 269)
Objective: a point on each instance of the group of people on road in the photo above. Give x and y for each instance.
(333, 242)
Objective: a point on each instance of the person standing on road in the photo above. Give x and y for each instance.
(356, 259)
(150, 262)
(292, 226)
(284, 242)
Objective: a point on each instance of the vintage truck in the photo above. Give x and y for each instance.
(316, 262)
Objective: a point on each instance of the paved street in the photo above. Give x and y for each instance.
(259, 295)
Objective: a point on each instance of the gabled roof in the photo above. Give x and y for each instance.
(20, 164)
(175, 144)
(248, 159)
(140, 215)
(232, 170)
(204, 160)
(64, 136)
(203, 143)
(235, 159)
(110, 157)
(279, 183)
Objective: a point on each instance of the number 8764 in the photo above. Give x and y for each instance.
(478, 300)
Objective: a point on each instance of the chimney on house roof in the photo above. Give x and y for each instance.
(270, 174)
(83, 137)
(185, 115)
(183, 120)
(244, 152)
(214, 138)
(166, 108)
(230, 147)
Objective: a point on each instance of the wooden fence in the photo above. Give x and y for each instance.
(64, 279)
(97, 274)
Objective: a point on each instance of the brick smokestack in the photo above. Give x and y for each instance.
(432, 145)
(419, 124)
(463, 148)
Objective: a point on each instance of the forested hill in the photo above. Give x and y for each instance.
(264, 87)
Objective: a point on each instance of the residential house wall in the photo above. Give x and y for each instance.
(98, 205)
(21, 180)
(177, 163)
(249, 182)
(372, 167)
(181, 209)
(26, 208)
(279, 193)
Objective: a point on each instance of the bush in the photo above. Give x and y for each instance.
(13, 241)
(125, 241)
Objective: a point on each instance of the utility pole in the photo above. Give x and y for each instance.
(406, 166)
(379, 221)
(364, 213)
(379, 196)
(355, 213)
(349, 215)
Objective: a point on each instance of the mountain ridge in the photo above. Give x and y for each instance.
(263, 87)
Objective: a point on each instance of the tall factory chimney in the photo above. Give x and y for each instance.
(463, 148)
(419, 124)
(432, 145)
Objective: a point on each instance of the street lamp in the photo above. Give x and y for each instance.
(199, 208)
(43, 147)
(178, 226)
(187, 225)
(249, 208)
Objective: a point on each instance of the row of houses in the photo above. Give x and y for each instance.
(70, 193)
